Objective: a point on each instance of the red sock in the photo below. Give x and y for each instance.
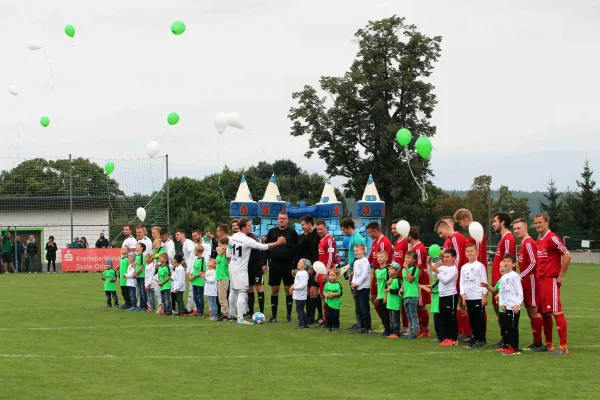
(547, 322)
(378, 309)
(424, 320)
(459, 322)
(561, 327)
(536, 327)
(404, 319)
(467, 325)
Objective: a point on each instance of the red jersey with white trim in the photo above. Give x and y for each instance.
(400, 249)
(507, 245)
(458, 242)
(419, 248)
(528, 257)
(327, 251)
(482, 255)
(549, 251)
(381, 244)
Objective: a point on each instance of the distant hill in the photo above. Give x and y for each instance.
(534, 197)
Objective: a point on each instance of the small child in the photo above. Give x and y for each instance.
(361, 283)
(165, 283)
(382, 276)
(179, 283)
(393, 299)
(196, 278)
(223, 279)
(474, 296)
(109, 276)
(150, 269)
(123, 265)
(511, 297)
(447, 275)
(157, 249)
(140, 275)
(300, 292)
(410, 292)
(210, 289)
(131, 283)
(332, 292)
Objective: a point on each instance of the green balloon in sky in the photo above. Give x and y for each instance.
(177, 27)
(45, 121)
(109, 167)
(70, 30)
(403, 137)
(424, 147)
(173, 118)
(434, 251)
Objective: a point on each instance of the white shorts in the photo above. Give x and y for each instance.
(238, 280)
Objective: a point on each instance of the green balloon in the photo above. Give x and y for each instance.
(177, 27)
(424, 147)
(69, 30)
(403, 137)
(173, 118)
(45, 121)
(434, 251)
(109, 167)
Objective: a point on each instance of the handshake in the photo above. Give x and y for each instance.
(281, 240)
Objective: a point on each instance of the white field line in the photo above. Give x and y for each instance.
(254, 356)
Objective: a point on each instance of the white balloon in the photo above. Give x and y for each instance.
(233, 120)
(403, 227)
(221, 121)
(319, 267)
(152, 149)
(13, 90)
(33, 45)
(476, 231)
(141, 214)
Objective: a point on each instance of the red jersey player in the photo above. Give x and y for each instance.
(400, 246)
(380, 243)
(424, 297)
(527, 266)
(553, 262)
(464, 219)
(326, 256)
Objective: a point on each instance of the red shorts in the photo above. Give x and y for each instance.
(549, 295)
(530, 294)
(373, 286)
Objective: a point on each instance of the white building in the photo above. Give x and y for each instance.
(50, 216)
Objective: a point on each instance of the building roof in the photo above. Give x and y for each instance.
(53, 203)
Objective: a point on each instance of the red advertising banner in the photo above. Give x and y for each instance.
(93, 260)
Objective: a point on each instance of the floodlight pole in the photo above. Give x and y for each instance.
(71, 193)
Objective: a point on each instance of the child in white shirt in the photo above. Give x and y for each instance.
(210, 288)
(300, 292)
(511, 297)
(148, 277)
(361, 284)
(447, 275)
(474, 296)
(179, 283)
(131, 282)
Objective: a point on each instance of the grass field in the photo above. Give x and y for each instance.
(59, 342)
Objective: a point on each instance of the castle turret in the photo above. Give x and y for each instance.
(329, 206)
(271, 204)
(243, 205)
(370, 209)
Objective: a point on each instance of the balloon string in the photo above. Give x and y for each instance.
(422, 188)
(219, 168)
(51, 71)
(262, 148)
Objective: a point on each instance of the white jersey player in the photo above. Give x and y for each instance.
(238, 253)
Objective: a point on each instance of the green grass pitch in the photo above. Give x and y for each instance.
(59, 342)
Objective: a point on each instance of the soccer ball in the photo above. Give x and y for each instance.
(258, 318)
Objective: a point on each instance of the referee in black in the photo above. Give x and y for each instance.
(308, 247)
(280, 262)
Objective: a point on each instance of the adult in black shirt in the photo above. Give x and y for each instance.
(280, 261)
(102, 242)
(308, 247)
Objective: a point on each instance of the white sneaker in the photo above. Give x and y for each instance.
(243, 322)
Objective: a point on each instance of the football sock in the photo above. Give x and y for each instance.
(537, 325)
(274, 302)
(319, 307)
(467, 325)
(378, 309)
(242, 298)
(261, 302)
(459, 322)
(251, 302)
(548, 325)
(561, 328)
(424, 320)
(289, 302)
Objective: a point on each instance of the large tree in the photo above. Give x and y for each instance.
(553, 206)
(587, 204)
(516, 206)
(352, 121)
(479, 200)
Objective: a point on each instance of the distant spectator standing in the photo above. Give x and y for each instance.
(7, 252)
(84, 242)
(19, 253)
(102, 242)
(51, 250)
(31, 254)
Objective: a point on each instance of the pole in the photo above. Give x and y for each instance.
(489, 221)
(71, 193)
(167, 168)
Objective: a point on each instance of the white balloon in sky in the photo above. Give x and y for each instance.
(33, 45)
(233, 120)
(221, 121)
(13, 90)
(152, 149)
(141, 214)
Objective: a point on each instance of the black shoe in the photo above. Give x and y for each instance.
(273, 319)
(499, 345)
(364, 331)
(540, 348)
(354, 328)
(248, 315)
(533, 347)
(288, 319)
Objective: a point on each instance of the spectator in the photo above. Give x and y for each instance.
(31, 254)
(84, 242)
(19, 253)
(7, 251)
(102, 242)
(51, 250)
(77, 244)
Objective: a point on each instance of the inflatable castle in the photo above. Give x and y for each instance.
(370, 208)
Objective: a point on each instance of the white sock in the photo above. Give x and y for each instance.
(232, 301)
(242, 300)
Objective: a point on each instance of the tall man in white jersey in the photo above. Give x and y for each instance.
(167, 243)
(238, 253)
(129, 240)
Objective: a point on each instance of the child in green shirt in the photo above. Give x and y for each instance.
(410, 279)
(109, 276)
(123, 265)
(435, 305)
(157, 249)
(332, 292)
(382, 276)
(164, 282)
(393, 299)
(197, 279)
(223, 279)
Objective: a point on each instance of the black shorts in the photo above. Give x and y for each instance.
(256, 276)
(279, 272)
(7, 257)
(311, 281)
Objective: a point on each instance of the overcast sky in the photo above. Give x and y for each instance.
(518, 86)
